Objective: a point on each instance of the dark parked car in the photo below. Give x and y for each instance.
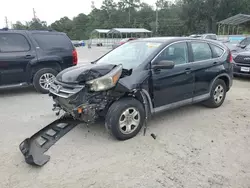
(33, 57)
(245, 42)
(238, 46)
(241, 63)
(154, 75)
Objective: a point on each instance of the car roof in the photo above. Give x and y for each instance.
(163, 39)
(175, 39)
(168, 40)
(29, 31)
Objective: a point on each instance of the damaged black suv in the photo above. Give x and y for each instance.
(143, 77)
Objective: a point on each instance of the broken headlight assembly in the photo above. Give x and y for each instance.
(107, 81)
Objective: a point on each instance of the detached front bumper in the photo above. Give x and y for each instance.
(33, 148)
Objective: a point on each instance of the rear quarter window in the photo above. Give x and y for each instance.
(217, 51)
(48, 41)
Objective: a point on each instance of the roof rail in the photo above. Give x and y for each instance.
(4, 29)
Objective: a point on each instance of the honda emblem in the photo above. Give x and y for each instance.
(58, 88)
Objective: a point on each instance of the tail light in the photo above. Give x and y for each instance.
(75, 57)
(230, 57)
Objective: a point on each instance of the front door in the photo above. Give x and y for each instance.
(15, 54)
(173, 87)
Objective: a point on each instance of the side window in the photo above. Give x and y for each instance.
(201, 51)
(11, 42)
(217, 51)
(176, 52)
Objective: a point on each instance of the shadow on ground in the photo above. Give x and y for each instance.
(153, 126)
(13, 92)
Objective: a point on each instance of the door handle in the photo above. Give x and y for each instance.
(215, 63)
(188, 70)
(28, 56)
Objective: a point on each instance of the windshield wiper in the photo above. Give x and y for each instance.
(93, 62)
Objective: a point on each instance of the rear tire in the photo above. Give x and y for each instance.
(217, 94)
(125, 118)
(46, 75)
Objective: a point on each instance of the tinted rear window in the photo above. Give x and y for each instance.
(53, 41)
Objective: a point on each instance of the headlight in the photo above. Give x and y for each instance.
(107, 81)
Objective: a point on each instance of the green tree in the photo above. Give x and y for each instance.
(37, 24)
(181, 17)
(19, 25)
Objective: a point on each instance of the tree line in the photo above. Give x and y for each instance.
(182, 17)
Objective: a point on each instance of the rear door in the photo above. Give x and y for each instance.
(206, 66)
(15, 53)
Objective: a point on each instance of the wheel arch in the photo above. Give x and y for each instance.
(142, 96)
(139, 95)
(32, 69)
(225, 77)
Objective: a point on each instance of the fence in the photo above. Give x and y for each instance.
(231, 38)
(108, 42)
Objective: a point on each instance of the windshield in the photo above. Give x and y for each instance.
(131, 54)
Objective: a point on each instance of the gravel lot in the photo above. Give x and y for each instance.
(195, 146)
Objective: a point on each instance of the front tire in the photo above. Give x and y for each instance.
(43, 78)
(125, 118)
(217, 94)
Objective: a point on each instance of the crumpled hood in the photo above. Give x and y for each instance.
(83, 73)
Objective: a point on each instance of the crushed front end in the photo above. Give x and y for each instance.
(83, 93)
(87, 94)
(77, 101)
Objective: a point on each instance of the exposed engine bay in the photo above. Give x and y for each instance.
(85, 92)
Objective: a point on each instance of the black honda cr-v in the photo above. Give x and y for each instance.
(144, 77)
(33, 57)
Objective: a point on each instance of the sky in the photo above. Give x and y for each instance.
(46, 10)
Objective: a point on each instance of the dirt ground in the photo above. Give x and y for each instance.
(195, 146)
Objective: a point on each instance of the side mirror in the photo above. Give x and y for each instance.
(164, 64)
